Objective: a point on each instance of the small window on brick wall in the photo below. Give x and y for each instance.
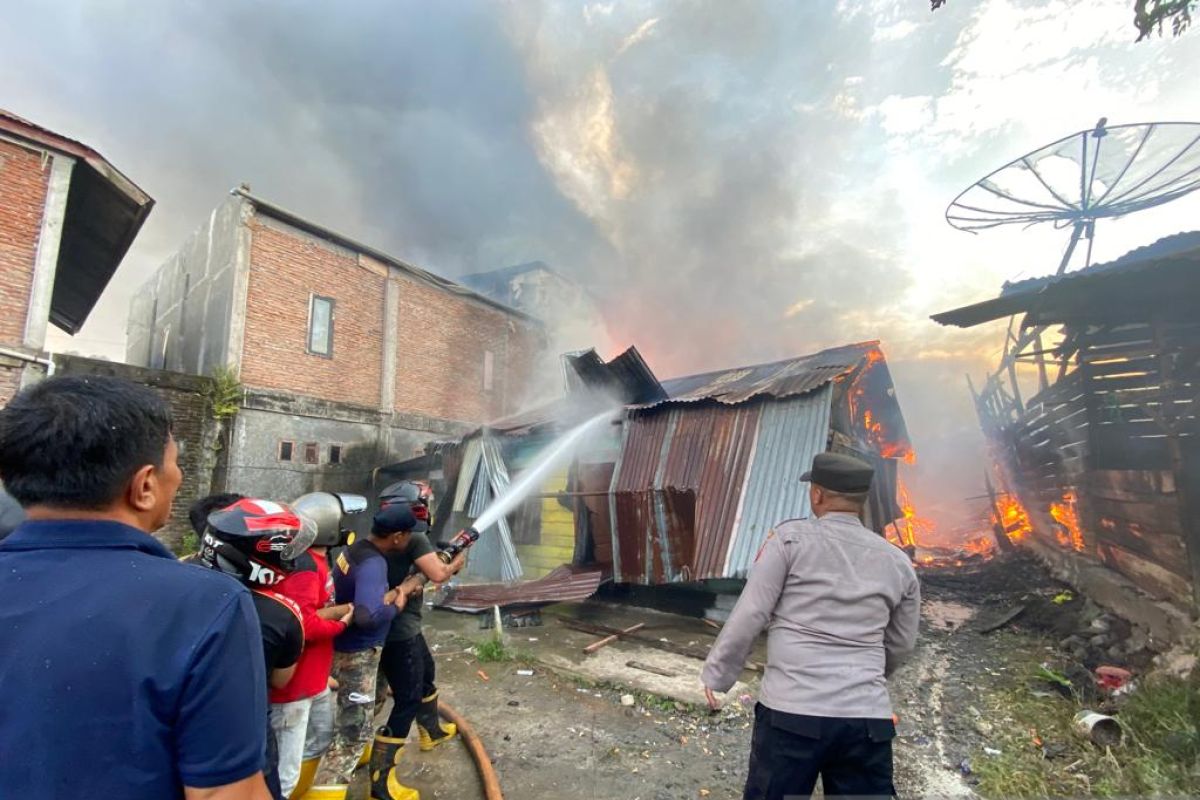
(285, 450)
(320, 326)
(312, 453)
(489, 367)
(335, 454)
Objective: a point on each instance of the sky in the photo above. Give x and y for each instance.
(735, 182)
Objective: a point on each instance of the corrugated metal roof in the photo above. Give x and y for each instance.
(563, 584)
(790, 433)
(793, 376)
(627, 377)
(704, 475)
(1020, 296)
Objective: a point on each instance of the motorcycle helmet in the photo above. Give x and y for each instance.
(256, 541)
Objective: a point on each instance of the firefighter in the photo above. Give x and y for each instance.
(258, 542)
(407, 662)
(842, 605)
(360, 577)
(302, 711)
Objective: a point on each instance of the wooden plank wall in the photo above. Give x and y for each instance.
(1135, 518)
(1103, 432)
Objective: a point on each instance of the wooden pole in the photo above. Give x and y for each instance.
(607, 640)
(1002, 540)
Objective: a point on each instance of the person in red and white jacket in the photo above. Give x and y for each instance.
(302, 712)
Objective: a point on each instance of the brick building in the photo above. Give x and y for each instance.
(67, 217)
(348, 358)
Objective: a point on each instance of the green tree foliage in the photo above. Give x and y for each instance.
(1149, 16)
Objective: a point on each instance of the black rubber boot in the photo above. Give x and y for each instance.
(385, 784)
(430, 726)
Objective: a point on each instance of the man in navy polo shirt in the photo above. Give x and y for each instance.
(125, 673)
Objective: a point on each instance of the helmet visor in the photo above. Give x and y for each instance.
(303, 539)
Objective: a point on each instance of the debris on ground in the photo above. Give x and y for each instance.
(961, 692)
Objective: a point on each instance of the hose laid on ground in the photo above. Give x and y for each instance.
(487, 775)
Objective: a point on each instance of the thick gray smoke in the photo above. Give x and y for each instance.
(734, 181)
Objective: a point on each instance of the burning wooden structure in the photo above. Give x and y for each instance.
(687, 486)
(1104, 453)
(702, 475)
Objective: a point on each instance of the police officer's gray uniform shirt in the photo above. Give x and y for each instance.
(843, 605)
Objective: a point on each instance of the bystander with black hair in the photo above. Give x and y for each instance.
(126, 674)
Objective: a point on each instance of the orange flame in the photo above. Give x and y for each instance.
(1013, 517)
(980, 546)
(1066, 513)
(873, 431)
(909, 526)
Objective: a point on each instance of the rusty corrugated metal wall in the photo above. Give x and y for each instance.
(676, 490)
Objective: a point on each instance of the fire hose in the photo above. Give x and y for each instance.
(483, 763)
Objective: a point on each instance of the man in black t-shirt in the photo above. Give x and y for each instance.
(257, 542)
(406, 660)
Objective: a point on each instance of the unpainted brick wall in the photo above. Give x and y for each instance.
(194, 428)
(287, 267)
(442, 339)
(23, 181)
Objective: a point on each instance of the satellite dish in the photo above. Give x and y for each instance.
(1089, 175)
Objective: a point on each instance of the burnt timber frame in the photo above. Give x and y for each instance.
(1117, 425)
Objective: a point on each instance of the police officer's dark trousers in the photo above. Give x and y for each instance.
(853, 757)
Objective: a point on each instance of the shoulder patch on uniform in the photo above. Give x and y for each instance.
(343, 563)
(763, 546)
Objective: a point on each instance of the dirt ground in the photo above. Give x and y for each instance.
(563, 732)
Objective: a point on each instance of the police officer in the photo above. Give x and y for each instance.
(841, 605)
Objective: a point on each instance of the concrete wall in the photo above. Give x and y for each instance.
(368, 438)
(182, 318)
(195, 429)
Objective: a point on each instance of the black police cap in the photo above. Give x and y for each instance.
(840, 473)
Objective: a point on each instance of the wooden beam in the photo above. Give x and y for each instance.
(699, 653)
(1041, 362)
(666, 673)
(607, 640)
